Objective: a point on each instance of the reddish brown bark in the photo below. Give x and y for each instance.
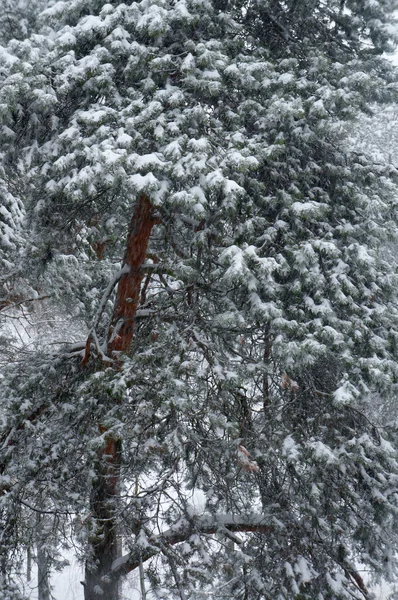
(128, 293)
(104, 541)
(99, 249)
(109, 457)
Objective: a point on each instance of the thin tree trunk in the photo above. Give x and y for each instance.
(119, 552)
(104, 542)
(43, 574)
(29, 564)
(266, 358)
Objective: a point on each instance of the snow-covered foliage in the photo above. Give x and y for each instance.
(20, 18)
(376, 134)
(266, 316)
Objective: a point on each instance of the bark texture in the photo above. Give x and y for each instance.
(104, 542)
(128, 292)
(43, 571)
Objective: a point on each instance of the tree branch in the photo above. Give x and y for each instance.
(181, 531)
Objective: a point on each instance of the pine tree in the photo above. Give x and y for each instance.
(375, 134)
(231, 354)
(20, 18)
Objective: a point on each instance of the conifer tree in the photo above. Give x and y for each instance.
(192, 205)
(19, 18)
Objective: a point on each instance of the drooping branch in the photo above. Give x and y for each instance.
(14, 302)
(181, 531)
(128, 292)
(9, 440)
(204, 525)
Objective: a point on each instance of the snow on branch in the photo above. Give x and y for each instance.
(204, 525)
(92, 333)
(182, 530)
(112, 284)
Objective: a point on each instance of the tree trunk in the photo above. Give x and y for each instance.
(29, 564)
(128, 291)
(43, 578)
(104, 541)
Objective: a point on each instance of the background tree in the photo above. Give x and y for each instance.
(19, 18)
(229, 355)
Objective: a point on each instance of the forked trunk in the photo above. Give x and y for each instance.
(104, 540)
